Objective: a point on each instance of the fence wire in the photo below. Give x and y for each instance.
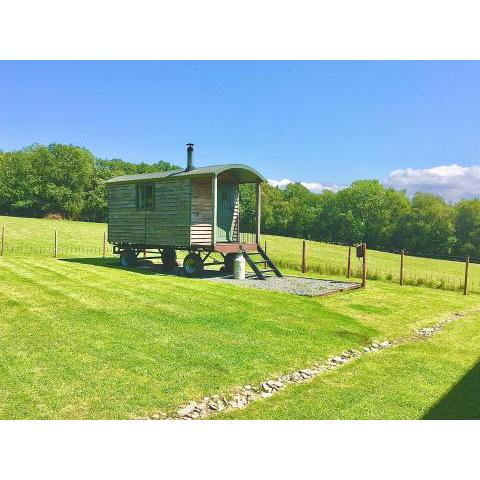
(43, 250)
(439, 272)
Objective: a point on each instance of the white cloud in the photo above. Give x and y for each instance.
(280, 183)
(453, 182)
(312, 186)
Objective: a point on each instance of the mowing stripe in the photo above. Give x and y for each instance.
(247, 394)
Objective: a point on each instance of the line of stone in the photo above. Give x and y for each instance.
(249, 393)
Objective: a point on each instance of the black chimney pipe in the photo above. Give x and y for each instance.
(189, 157)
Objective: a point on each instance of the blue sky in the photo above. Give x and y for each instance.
(317, 122)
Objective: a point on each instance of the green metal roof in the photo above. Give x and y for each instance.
(241, 173)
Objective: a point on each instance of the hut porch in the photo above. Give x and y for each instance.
(215, 214)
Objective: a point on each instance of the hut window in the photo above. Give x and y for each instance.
(145, 196)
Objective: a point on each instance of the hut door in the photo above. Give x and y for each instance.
(227, 204)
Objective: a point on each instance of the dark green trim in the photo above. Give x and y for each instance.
(241, 174)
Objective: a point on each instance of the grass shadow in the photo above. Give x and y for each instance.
(144, 267)
(461, 402)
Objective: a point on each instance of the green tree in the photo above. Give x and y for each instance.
(428, 227)
(61, 179)
(274, 216)
(18, 183)
(65, 174)
(301, 208)
(467, 227)
(363, 212)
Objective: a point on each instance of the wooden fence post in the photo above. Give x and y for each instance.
(467, 261)
(3, 241)
(265, 265)
(364, 265)
(402, 253)
(349, 262)
(104, 244)
(304, 257)
(55, 245)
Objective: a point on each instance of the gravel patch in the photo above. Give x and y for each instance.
(310, 287)
(295, 285)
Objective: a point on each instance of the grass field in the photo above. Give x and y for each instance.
(35, 236)
(85, 340)
(434, 379)
(331, 260)
(82, 338)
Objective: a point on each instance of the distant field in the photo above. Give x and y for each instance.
(332, 260)
(26, 236)
(36, 236)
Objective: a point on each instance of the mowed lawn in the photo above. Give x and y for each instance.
(82, 338)
(435, 379)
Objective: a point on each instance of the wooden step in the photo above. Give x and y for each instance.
(265, 260)
(269, 262)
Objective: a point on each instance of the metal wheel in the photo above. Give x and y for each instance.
(228, 265)
(128, 258)
(169, 259)
(193, 265)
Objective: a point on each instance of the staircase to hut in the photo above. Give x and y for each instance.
(254, 262)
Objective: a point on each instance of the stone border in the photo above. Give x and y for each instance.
(354, 286)
(247, 394)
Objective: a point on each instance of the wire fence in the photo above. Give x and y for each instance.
(439, 272)
(44, 250)
(53, 242)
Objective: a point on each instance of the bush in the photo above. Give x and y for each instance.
(53, 216)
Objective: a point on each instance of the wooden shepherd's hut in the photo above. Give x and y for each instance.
(195, 209)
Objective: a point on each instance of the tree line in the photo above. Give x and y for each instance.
(61, 179)
(69, 181)
(366, 211)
